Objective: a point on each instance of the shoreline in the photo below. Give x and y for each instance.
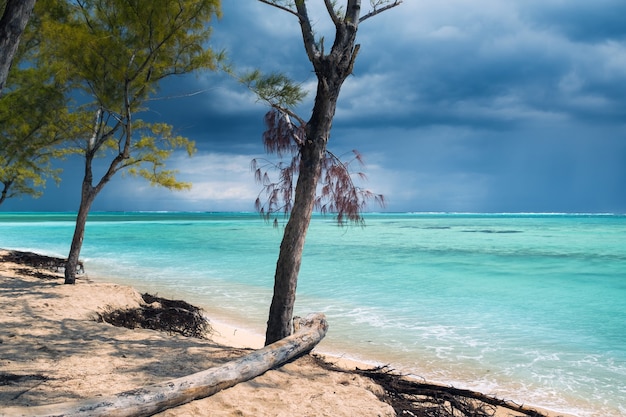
(235, 333)
(48, 303)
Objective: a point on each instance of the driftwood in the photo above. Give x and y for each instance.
(155, 398)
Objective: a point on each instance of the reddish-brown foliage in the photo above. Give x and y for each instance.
(337, 192)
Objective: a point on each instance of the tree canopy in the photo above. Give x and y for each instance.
(114, 53)
(15, 16)
(34, 119)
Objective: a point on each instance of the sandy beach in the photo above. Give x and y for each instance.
(52, 350)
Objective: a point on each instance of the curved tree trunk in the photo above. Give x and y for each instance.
(292, 245)
(5, 191)
(79, 233)
(331, 71)
(12, 24)
(155, 398)
(88, 194)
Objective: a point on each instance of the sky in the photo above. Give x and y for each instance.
(456, 106)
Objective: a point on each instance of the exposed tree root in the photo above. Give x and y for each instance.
(172, 316)
(413, 398)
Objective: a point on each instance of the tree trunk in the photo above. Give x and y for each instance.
(88, 194)
(292, 245)
(5, 191)
(331, 71)
(12, 24)
(155, 398)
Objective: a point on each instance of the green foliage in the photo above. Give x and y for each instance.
(275, 89)
(115, 52)
(109, 55)
(33, 120)
(156, 144)
(107, 46)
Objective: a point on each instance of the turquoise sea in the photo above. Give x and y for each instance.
(529, 307)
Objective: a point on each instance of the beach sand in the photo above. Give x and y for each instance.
(52, 350)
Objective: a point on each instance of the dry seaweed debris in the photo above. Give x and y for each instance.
(172, 316)
(37, 261)
(11, 379)
(414, 398)
(419, 399)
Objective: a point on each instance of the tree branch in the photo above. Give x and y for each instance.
(378, 11)
(307, 32)
(278, 6)
(290, 113)
(353, 10)
(305, 24)
(331, 12)
(184, 95)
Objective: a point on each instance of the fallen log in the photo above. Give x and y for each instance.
(153, 399)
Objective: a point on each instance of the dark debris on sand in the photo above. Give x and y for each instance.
(11, 379)
(419, 399)
(37, 261)
(172, 316)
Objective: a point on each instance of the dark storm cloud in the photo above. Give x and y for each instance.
(579, 20)
(457, 105)
(491, 69)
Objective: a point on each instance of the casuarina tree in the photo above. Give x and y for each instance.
(12, 23)
(34, 119)
(115, 53)
(310, 139)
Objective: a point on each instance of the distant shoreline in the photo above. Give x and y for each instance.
(330, 216)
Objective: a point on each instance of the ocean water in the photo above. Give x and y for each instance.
(530, 307)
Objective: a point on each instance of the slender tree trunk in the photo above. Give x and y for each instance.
(12, 24)
(88, 195)
(292, 245)
(5, 191)
(331, 71)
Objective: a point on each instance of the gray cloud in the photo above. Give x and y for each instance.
(457, 105)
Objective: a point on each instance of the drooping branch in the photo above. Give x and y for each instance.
(278, 194)
(281, 135)
(338, 193)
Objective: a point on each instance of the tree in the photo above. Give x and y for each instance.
(14, 19)
(331, 69)
(114, 53)
(33, 120)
